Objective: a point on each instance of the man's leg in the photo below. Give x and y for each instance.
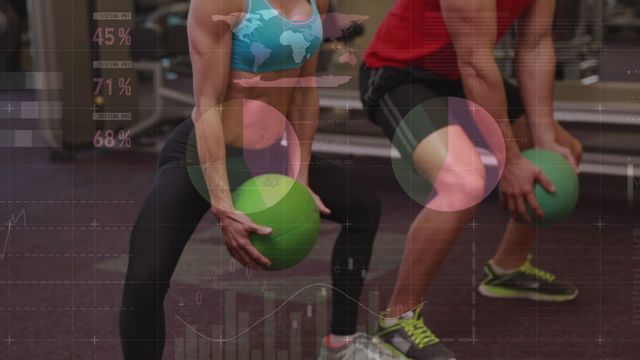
(444, 156)
(447, 159)
(431, 237)
(510, 274)
(518, 238)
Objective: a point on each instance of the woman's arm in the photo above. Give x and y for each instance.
(303, 113)
(210, 50)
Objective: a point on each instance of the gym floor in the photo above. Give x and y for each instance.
(65, 244)
(65, 225)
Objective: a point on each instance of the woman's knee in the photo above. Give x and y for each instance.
(144, 284)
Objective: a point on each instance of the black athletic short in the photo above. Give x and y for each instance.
(389, 94)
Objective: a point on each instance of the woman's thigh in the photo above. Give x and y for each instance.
(348, 198)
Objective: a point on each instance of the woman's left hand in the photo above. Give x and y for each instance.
(324, 210)
(303, 177)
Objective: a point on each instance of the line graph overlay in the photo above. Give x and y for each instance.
(278, 308)
(13, 220)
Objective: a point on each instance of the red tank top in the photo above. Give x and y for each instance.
(414, 34)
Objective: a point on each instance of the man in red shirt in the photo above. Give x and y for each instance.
(429, 49)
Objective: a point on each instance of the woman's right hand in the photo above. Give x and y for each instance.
(236, 230)
(516, 188)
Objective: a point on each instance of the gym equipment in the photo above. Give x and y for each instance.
(142, 6)
(9, 33)
(577, 31)
(127, 44)
(559, 204)
(90, 57)
(289, 209)
(160, 38)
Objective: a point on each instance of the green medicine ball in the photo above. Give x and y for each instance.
(287, 207)
(557, 205)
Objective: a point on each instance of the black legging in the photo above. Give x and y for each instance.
(173, 209)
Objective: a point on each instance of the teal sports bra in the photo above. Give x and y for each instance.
(265, 40)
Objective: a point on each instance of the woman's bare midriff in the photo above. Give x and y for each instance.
(237, 90)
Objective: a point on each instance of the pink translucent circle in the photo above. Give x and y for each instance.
(269, 142)
(474, 155)
(262, 124)
(260, 141)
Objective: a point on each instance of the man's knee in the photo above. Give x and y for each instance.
(466, 185)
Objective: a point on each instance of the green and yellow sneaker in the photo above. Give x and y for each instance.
(525, 282)
(410, 338)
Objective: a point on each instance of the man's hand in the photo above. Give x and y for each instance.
(562, 150)
(516, 187)
(236, 230)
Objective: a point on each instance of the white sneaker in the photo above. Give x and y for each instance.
(361, 347)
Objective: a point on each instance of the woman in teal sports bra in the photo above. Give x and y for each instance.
(231, 41)
(265, 41)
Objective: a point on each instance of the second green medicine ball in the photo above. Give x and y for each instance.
(559, 204)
